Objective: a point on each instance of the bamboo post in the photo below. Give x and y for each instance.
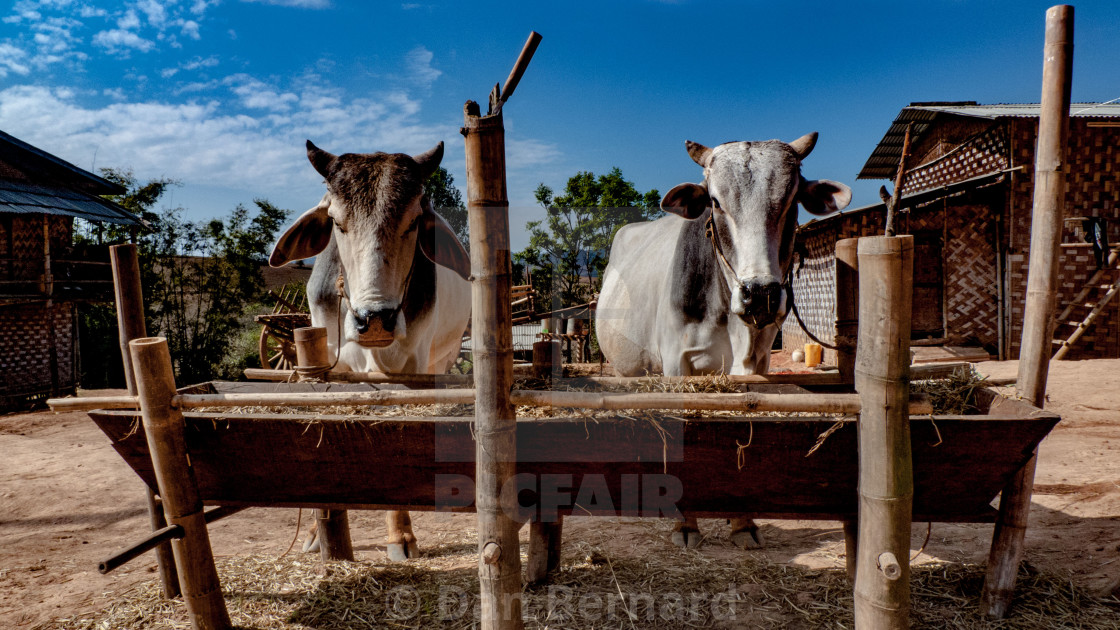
(499, 567)
(129, 295)
(896, 196)
(332, 526)
(544, 549)
(163, 427)
(847, 307)
(886, 482)
(1042, 289)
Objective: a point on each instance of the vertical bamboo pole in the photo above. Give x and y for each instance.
(129, 294)
(163, 425)
(1042, 289)
(499, 566)
(886, 483)
(847, 306)
(332, 526)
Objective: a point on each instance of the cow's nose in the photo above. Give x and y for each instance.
(364, 318)
(760, 302)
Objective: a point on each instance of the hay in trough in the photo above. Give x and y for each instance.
(661, 588)
(954, 395)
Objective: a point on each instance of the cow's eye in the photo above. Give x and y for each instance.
(412, 226)
(338, 225)
(715, 202)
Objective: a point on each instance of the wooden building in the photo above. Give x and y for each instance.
(43, 274)
(967, 196)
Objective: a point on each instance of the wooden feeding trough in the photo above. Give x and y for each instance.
(726, 466)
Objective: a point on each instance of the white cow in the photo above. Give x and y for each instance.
(704, 290)
(389, 273)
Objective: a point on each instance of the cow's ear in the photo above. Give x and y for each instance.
(429, 160)
(320, 159)
(687, 200)
(307, 237)
(823, 196)
(438, 242)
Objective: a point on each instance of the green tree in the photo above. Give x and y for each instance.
(568, 249)
(200, 278)
(448, 202)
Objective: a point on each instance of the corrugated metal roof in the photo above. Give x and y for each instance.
(27, 198)
(42, 165)
(883, 162)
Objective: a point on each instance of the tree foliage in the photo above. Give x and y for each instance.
(448, 202)
(568, 249)
(199, 278)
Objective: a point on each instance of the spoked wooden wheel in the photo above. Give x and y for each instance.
(276, 352)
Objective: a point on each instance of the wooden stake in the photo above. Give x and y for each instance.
(1042, 290)
(499, 565)
(129, 295)
(886, 482)
(896, 195)
(544, 549)
(332, 526)
(163, 427)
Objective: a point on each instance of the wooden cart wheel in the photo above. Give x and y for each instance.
(276, 352)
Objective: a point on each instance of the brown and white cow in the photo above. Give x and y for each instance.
(405, 298)
(704, 290)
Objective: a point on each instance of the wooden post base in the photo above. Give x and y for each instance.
(544, 550)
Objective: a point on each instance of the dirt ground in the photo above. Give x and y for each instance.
(67, 501)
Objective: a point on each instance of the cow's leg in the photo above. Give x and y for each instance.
(312, 542)
(686, 533)
(400, 542)
(744, 532)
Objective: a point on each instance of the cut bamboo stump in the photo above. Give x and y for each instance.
(1042, 290)
(499, 565)
(886, 481)
(332, 526)
(129, 295)
(163, 426)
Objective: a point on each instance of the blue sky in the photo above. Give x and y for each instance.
(221, 95)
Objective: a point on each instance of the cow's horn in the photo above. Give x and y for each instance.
(430, 159)
(803, 146)
(320, 159)
(698, 152)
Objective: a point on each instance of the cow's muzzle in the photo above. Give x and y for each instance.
(375, 328)
(757, 304)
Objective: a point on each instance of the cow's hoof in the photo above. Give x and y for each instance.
(311, 545)
(399, 552)
(689, 539)
(747, 538)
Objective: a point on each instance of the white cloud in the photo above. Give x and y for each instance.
(120, 41)
(190, 29)
(128, 21)
(155, 12)
(255, 94)
(12, 60)
(418, 63)
(208, 143)
(299, 4)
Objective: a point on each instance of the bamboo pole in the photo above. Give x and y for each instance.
(847, 307)
(332, 526)
(886, 482)
(163, 427)
(896, 196)
(129, 296)
(499, 567)
(744, 401)
(1042, 288)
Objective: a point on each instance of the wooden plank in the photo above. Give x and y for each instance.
(949, 353)
(292, 460)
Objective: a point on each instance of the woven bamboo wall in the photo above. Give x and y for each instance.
(968, 308)
(1093, 188)
(983, 153)
(37, 355)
